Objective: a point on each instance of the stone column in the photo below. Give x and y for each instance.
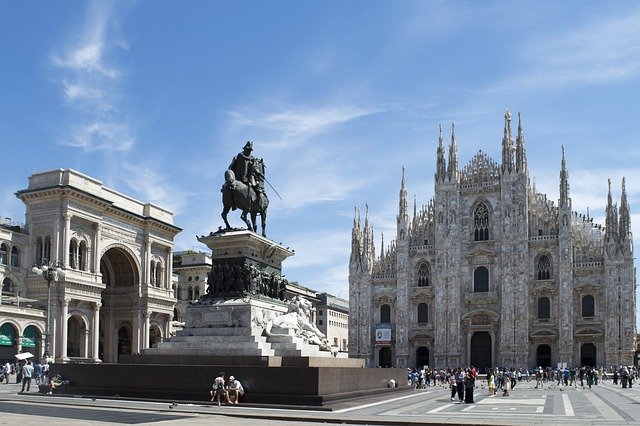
(169, 269)
(146, 334)
(65, 239)
(64, 325)
(96, 331)
(85, 350)
(167, 327)
(147, 261)
(96, 248)
(135, 341)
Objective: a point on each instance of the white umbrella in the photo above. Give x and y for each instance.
(24, 355)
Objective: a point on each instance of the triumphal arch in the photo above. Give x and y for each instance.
(116, 296)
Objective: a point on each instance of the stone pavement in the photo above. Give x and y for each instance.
(603, 404)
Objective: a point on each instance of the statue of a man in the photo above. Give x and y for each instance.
(240, 164)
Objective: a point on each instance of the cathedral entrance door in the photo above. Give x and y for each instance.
(384, 357)
(588, 354)
(422, 357)
(124, 342)
(481, 350)
(543, 356)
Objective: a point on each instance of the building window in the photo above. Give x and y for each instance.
(481, 223)
(73, 253)
(319, 322)
(588, 306)
(385, 313)
(544, 308)
(423, 313)
(196, 293)
(4, 253)
(481, 280)
(46, 249)
(320, 313)
(8, 288)
(15, 257)
(190, 293)
(82, 254)
(38, 258)
(543, 268)
(158, 275)
(423, 275)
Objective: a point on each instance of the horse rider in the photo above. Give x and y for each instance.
(240, 165)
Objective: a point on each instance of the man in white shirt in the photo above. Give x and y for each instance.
(235, 390)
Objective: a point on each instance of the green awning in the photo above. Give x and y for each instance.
(7, 335)
(30, 337)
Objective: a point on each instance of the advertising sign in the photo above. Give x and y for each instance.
(383, 334)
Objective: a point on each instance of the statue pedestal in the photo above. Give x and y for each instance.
(245, 245)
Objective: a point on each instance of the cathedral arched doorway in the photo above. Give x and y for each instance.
(76, 337)
(121, 277)
(422, 356)
(155, 336)
(481, 350)
(124, 341)
(384, 357)
(543, 356)
(588, 354)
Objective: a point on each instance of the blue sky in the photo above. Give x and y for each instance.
(155, 98)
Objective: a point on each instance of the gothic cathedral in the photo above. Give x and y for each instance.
(492, 273)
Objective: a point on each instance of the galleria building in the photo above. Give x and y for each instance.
(492, 273)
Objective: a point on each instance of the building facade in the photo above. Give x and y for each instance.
(492, 273)
(116, 295)
(333, 320)
(192, 271)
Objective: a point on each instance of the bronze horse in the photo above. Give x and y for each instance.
(247, 198)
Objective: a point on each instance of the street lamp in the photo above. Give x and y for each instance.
(51, 271)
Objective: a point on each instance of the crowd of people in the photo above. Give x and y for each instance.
(463, 381)
(27, 371)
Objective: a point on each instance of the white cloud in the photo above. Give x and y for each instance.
(91, 85)
(599, 51)
(154, 186)
(99, 135)
(292, 126)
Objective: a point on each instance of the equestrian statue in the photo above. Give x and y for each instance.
(243, 189)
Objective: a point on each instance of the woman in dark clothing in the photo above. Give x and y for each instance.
(469, 383)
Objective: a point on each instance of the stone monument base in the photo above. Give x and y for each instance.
(292, 386)
(236, 327)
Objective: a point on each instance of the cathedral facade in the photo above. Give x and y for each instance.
(492, 273)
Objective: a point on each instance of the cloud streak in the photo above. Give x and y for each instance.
(91, 84)
(599, 51)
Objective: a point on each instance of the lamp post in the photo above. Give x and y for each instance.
(51, 271)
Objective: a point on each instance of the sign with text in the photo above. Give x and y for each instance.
(383, 334)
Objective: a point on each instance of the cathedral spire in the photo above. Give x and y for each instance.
(611, 220)
(521, 151)
(507, 145)
(452, 171)
(564, 183)
(440, 163)
(625, 217)
(356, 237)
(403, 207)
(381, 244)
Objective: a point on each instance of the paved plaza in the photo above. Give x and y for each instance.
(603, 404)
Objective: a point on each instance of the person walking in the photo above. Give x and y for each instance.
(453, 384)
(460, 375)
(27, 374)
(469, 383)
